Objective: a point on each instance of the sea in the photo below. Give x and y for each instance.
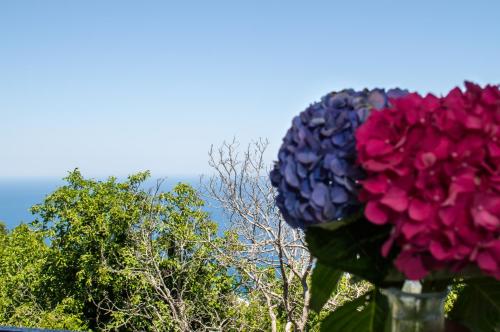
(18, 195)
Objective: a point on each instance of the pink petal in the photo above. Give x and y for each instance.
(447, 215)
(490, 95)
(490, 203)
(486, 261)
(427, 159)
(462, 184)
(431, 102)
(401, 170)
(438, 251)
(468, 234)
(494, 150)
(376, 213)
(410, 229)
(396, 199)
(374, 165)
(419, 210)
(393, 158)
(387, 246)
(473, 122)
(495, 182)
(485, 219)
(442, 148)
(411, 265)
(462, 252)
(376, 147)
(494, 247)
(470, 143)
(376, 185)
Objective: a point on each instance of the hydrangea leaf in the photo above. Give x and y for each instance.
(367, 313)
(478, 305)
(324, 282)
(353, 247)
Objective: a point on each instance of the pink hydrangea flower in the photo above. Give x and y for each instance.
(433, 172)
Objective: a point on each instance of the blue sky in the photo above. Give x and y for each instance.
(115, 87)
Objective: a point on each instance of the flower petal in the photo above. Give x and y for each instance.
(396, 199)
(419, 210)
(376, 213)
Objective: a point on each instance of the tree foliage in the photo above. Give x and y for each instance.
(24, 301)
(110, 255)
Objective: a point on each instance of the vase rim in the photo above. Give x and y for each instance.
(424, 295)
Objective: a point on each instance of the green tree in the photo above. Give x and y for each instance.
(23, 299)
(88, 224)
(175, 260)
(133, 259)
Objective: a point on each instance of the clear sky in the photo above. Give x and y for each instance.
(114, 87)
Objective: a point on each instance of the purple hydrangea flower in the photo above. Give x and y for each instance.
(316, 173)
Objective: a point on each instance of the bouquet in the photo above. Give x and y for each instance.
(392, 186)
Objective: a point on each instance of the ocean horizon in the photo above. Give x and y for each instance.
(18, 195)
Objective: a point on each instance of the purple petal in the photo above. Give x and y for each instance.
(275, 176)
(320, 194)
(337, 166)
(305, 189)
(328, 131)
(329, 211)
(377, 99)
(316, 121)
(306, 157)
(290, 175)
(339, 195)
(396, 93)
(301, 171)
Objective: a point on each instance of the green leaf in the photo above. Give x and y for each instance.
(353, 247)
(367, 313)
(324, 281)
(478, 305)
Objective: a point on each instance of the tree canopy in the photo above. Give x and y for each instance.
(111, 255)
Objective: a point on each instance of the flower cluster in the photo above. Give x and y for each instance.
(316, 172)
(433, 171)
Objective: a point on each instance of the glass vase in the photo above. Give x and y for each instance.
(416, 312)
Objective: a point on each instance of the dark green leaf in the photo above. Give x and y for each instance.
(352, 247)
(324, 281)
(367, 313)
(478, 305)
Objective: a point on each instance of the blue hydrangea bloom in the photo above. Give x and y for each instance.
(316, 173)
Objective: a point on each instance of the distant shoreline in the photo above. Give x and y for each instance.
(18, 195)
